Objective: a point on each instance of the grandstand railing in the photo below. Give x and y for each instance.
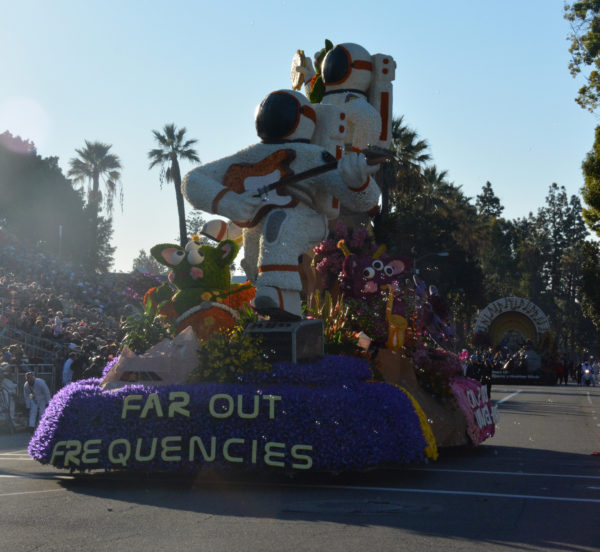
(33, 345)
(47, 372)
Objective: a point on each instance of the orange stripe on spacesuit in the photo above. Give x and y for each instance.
(280, 296)
(309, 112)
(363, 187)
(361, 64)
(384, 110)
(215, 203)
(222, 231)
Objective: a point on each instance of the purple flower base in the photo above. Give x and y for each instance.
(328, 419)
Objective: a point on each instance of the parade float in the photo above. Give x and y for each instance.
(338, 366)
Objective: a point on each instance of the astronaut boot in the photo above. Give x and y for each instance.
(220, 230)
(279, 304)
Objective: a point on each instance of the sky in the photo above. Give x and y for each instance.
(485, 83)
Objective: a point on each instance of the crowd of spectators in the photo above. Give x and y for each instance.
(52, 311)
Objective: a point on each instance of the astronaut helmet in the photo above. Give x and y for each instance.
(285, 115)
(347, 66)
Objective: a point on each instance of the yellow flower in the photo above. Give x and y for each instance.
(206, 296)
(431, 450)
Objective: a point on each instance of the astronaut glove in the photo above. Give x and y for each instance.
(354, 170)
(307, 70)
(240, 207)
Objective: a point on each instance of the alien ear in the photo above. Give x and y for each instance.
(168, 254)
(398, 266)
(229, 249)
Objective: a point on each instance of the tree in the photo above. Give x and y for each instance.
(560, 227)
(195, 222)
(38, 203)
(172, 148)
(16, 144)
(104, 254)
(488, 204)
(591, 187)
(590, 291)
(146, 263)
(94, 165)
(404, 173)
(584, 17)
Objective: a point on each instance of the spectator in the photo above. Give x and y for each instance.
(67, 371)
(8, 392)
(37, 397)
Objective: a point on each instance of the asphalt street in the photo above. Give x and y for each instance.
(534, 486)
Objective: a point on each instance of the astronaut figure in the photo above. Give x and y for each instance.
(281, 222)
(358, 83)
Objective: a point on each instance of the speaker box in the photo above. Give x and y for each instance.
(300, 341)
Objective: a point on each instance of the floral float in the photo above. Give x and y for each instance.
(407, 331)
(292, 418)
(393, 402)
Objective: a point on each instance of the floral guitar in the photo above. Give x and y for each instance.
(269, 177)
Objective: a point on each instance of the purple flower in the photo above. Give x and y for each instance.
(326, 414)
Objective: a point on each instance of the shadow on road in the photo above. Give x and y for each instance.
(426, 500)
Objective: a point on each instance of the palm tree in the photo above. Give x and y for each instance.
(433, 188)
(410, 153)
(172, 148)
(95, 164)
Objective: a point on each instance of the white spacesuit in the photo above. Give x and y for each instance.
(281, 224)
(361, 85)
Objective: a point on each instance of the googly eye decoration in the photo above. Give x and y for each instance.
(369, 272)
(177, 257)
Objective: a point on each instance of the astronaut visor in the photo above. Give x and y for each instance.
(279, 115)
(338, 65)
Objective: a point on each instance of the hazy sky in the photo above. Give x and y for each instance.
(486, 84)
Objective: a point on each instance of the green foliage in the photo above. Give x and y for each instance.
(584, 17)
(143, 329)
(337, 327)
(95, 164)
(435, 216)
(404, 175)
(36, 199)
(590, 277)
(434, 369)
(209, 274)
(146, 263)
(591, 188)
(156, 296)
(224, 356)
(247, 316)
(317, 90)
(488, 204)
(194, 222)
(489, 257)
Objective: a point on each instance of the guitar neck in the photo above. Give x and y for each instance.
(373, 158)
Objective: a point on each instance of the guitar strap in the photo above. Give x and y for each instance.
(304, 194)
